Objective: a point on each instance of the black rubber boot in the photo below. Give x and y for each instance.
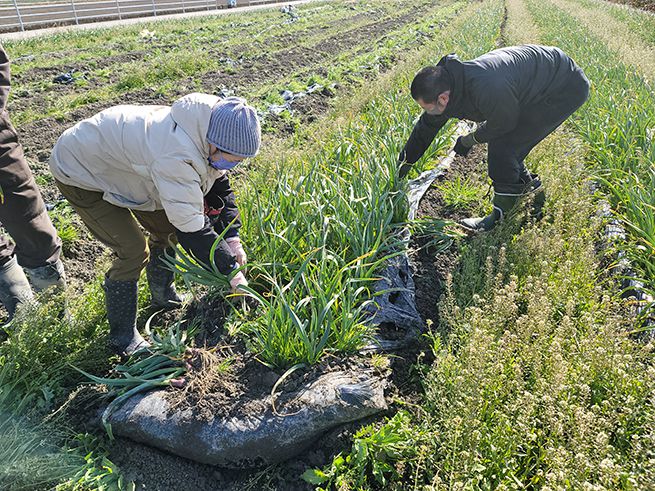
(160, 280)
(14, 287)
(536, 189)
(50, 275)
(121, 300)
(502, 203)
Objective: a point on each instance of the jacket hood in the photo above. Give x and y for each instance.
(191, 113)
(454, 68)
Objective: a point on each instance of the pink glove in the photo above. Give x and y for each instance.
(237, 250)
(238, 279)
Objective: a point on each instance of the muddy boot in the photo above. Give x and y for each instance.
(160, 280)
(14, 287)
(121, 300)
(50, 275)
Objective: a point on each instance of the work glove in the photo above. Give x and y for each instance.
(403, 169)
(237, 250)
(464, 144)
(238, 279)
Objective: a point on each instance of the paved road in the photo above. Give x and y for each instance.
(15, 36)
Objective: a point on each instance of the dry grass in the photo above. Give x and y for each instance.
(618, 36)
(519, 28)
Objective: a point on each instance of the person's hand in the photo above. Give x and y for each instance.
(403, 169)
(237, 250)
(238, 280)
(461, 148)
(464, 144)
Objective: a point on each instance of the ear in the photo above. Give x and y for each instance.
(443, 98)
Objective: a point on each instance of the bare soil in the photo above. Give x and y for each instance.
(431, 270)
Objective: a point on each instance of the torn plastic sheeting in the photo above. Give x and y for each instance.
(395, 306)
(242, 441)
(395, 300)
(290, 97)
(69, 77)
(630, 285)
(291, 12)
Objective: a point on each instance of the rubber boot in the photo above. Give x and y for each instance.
(160, 280)
(505, 202)
(539, 197)
(121, 300)
(50, 275)
(502, 203)
(14, 287)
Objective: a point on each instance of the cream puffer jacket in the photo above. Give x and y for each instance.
(144, 158)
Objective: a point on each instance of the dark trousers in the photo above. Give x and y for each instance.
(22, 212)
(508, 152)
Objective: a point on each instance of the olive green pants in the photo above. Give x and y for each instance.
(118, 228)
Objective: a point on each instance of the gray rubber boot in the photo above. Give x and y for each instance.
(50, 275)
(160, 280)
(14, 287)
(121, 300)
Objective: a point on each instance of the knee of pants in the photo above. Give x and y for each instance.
(503, 167)
(129, 261)
(161, 241)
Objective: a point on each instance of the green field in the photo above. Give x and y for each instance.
(534, 370)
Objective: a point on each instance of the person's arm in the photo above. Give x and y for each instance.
(181, 196)
(199, 244)
(221, 196)
(420, 139)
(4, 78)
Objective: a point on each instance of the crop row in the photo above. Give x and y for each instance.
(162, 65)
(617, 125)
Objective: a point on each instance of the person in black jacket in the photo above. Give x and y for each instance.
(518, 95)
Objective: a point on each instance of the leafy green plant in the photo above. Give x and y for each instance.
(145, 370)
(372, 458)
(63, 219)
(460, 193)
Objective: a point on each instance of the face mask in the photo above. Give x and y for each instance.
(434, 111)
(222, 164)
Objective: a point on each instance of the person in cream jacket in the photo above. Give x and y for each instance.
(165, 168)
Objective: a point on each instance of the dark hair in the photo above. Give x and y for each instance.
(429, 82)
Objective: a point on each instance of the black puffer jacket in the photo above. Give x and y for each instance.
(494, 89)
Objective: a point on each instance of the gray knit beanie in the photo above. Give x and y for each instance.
(234, 127)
